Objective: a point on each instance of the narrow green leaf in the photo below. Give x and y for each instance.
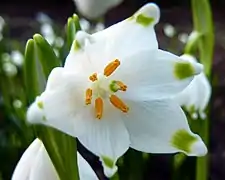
(73, 25)
(30, 74)
(203, 23)
(77, 22)
(45, 54)
(62, 151)
(71, 31)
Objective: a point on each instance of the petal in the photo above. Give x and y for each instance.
(85, 170)
(204, 96)
(43, 168)
(155, 74)
(106, 138)
(87, 55)
(77, 57)
(60, 107)
(161, 127)
(94, 52)
(198, 92)
(132, 34)
(35, 164)
(55, 78)
(24, 166)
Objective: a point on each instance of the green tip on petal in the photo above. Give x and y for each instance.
(108, 162)
(144, 20)
(183, 140)
(77, 45)
(40, 104)
(183, 70)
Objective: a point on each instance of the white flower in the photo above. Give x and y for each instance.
(114, 93)
(196, 96)
(93, 9)
(35, 164)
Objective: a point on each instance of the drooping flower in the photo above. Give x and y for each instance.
(35, 164)
(195, 97)
(115, 92)
(93, 9)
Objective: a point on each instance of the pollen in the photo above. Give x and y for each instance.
(118, 103)
(104, 88)
(111, 67)
(93, 77)
(98, 107)
(121, 85)
(88, 96)
(117, 85)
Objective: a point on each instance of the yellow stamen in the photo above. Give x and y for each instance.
(118, 103)
(99, 107)
(122, 86)
(88, 96)
(111, 67)
(93, 77)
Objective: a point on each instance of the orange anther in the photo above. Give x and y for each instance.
(93, 77)
(98, 107)
(118, 103)
(88, 96)
(111, 67)
(122, 86)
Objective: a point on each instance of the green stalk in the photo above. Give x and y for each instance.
(115, 177)
(202, 166)
(203, 24)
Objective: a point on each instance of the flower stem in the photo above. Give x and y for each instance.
(203, 24)
(202, 166)
(115, 177)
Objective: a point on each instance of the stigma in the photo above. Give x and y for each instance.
(103, 87)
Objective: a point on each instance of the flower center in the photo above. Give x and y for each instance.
(102, 88)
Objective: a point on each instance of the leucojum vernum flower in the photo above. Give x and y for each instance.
(93, 9)
(116, 91)
(35, 164)
(196, 96)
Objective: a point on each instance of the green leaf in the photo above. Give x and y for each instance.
(62, 151)
(77, 22)
(203, 23)
(30, 71)
(60, 146)
(73, 25)
(71, 31)
(45, 54)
